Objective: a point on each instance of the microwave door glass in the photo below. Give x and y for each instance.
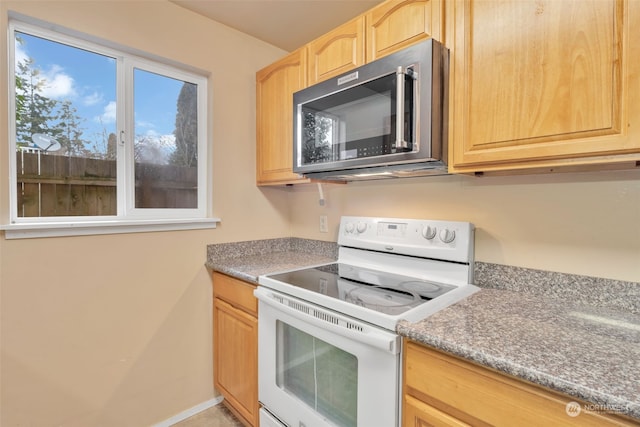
(358, 122)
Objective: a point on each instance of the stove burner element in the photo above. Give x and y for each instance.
(419, 286)
(427, 290)
(385, 300)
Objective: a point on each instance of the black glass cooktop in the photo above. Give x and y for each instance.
(374, 289)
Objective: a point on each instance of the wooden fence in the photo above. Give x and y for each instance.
(52, 185)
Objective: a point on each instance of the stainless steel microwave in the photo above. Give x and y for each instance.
(387, 118)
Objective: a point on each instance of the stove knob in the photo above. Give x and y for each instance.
(349, 227)
(429, 232)
(447, 236)
(361, 227)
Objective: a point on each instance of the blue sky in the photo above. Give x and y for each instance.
(89, 81)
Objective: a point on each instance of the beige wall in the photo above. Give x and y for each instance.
(580, 223)
(116, 330)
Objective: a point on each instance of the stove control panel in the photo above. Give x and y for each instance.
(392, 229)
(446, 240)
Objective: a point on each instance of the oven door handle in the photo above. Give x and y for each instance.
(357, 331)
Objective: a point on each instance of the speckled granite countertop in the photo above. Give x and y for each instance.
(534, 325)
(588, 352)
(250, 267)
(248, 260)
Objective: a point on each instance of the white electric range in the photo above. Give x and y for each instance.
(329, 354)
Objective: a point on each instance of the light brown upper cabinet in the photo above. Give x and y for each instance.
(275, 85)
(337, 52)
(385, 29)
(543, 83)
(396, 24)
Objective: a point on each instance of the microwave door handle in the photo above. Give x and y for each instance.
(400, 142)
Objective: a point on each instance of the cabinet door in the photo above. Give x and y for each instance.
(337, 52)
(275, 86)
(235, 341)
(396, 24)
(543, 82)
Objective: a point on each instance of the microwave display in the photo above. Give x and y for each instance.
(360, 121)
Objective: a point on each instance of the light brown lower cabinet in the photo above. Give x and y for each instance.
(443, 390)
(235, 346)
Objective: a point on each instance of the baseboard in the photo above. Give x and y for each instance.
(190, 412)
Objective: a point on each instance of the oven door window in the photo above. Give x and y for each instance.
(359, 122)
(322, 376)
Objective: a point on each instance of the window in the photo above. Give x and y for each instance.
(101, 137)
(322, 139)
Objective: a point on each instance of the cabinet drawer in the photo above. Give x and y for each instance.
(236, 292)
(416, 413)
(480, 396)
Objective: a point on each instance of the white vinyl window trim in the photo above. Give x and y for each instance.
(128, 217)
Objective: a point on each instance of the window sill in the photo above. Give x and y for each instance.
(61, 229)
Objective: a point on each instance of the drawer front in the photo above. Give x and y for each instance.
(416, 413)
(236, 292)
(480, 396)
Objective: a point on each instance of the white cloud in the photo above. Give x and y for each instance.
(58, 84)
(155, 148)
(21, 54)
(92, 99)
(149, 125)
(108, 114)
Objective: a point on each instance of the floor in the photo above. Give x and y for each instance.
(216, 416)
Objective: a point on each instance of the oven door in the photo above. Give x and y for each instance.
(317, 368)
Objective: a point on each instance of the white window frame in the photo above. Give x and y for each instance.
(128, 218)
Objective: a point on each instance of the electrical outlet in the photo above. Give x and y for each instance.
(324, 224)
(323, 285)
